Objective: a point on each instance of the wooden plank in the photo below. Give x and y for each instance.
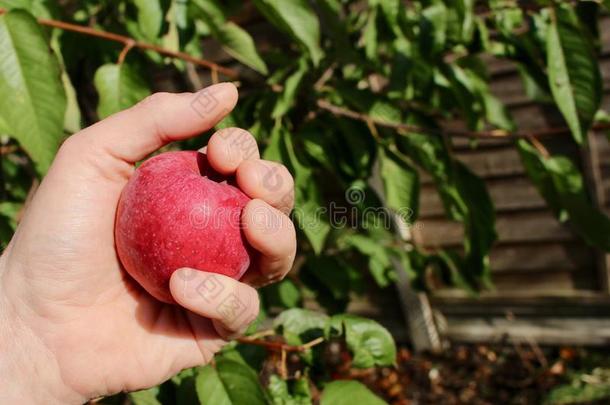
(535, 226)
(577, 304)
(540, 257)
(508, 194)
(548, 331)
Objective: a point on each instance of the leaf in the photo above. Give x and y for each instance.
(33, 104)
(369, 36)
(291, 88)
(348, 393)
(150, 18)
(299, 326)
(38, 8)
(297, 19)
(284, 392)
(210, 389)
(231, 383)
(308, 211)
(284, 294)
(119, 87)
(239, 44)
(371, 344)
(72, 120)
(573, 72)
(561, 185)
(379, 262)
(433, 26)
(145, 397)
(298, 321)
(465, 198)
(400, 184)
(331, 279)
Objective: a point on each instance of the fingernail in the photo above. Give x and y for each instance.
(221, 90)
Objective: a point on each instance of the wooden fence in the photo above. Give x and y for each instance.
(549, 286)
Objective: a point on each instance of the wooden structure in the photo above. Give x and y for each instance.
(550, 287)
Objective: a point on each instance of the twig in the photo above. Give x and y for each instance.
(130, 42)
(279, 346)
(283, 368)
(126, 49)
(539, 147)
(492, 134)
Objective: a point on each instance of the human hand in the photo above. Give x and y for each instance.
(73, 324)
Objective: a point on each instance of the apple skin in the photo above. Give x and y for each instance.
(176, 212)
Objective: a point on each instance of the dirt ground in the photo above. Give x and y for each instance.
(491, 374)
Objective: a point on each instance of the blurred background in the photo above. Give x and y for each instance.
(452, 172)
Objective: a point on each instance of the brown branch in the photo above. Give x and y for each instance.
(494, 133)
(127, 41)
(279, 346)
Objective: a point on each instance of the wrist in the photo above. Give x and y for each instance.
(29, 372)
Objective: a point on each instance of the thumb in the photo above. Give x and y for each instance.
(230, 304)
(132, 134)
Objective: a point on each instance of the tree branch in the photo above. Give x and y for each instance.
(491, 134)
(279, 346)
(128, 43)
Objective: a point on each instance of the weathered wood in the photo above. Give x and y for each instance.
(528, 259)
(508, 194)
(535, 226)
(548, 331)
(584, 304)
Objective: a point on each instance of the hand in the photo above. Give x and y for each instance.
(73, 325)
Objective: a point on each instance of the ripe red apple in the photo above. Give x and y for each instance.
(175, 212)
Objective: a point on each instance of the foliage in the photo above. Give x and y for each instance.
(418, 64)
(591, 387)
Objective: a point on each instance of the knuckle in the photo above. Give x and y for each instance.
(154, 100)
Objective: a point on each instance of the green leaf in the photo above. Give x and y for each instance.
(379, 261)
(296, 18)
(573, 71)
(433, 26)
(291, 88)
(72, 120)
(210, 389)
(238, 43)
(369, 36)
(299, 326)
(349, 393)
(289, 392)
(308, 212)
(400, 183)
(145, 397)
(33, 101)
(284, 294)
(38, 8)
(119, 87)
(561, 185)
(331, 279)
(231, 383)
(465, 198)
(371, 344)
(298, 321)
(150, 18)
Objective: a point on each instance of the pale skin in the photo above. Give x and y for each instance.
(73, 325)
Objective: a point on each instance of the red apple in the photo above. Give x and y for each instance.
(175, 212)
